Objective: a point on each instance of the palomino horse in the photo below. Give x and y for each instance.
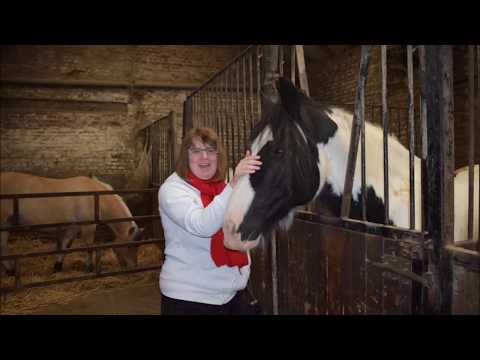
(304, 149)
(66, 209)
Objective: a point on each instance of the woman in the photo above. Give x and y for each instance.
(199, 275)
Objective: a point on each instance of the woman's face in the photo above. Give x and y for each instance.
(203, 159)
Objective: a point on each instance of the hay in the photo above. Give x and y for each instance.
(27, 301)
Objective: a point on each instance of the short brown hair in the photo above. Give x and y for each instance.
(207, 136)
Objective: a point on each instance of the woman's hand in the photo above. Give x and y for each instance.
(248, 165)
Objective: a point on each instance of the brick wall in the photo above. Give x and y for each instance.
(54, 122)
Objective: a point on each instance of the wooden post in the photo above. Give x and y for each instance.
(440, 171)
(302, 71)
(270, 92)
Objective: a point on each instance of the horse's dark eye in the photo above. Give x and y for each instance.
(278, 152)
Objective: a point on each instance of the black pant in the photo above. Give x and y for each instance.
(180, 307)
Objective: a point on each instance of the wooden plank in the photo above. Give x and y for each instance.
(358, 266)
(472, 292)
(296, 270)
(374, 280)
(320, 270)
(335, 268)
(261, 275)
(458, 286)
(282, 263)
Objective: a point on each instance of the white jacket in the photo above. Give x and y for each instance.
(189, 272)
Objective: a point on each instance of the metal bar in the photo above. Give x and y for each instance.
(77, 193)
(86, 248)
(411, 135)
(16, 211)
(293, 65)
(355, 135)
(471, 138)
(81, 278)
(385, 113)
(244, 106)
(274, 273)
(216, 106)
(259, 86)
(281, 61)
(440, 170)
(302, 72)
(408, 274)
(232, 127)
(41, 226)
(363, 158)
(18, 280)
(98, 262)
(237, 120)
(97, 207)
(250, 72)
(386, 231)
(223, 118)
(224, 69)
(188, 115)
(478, 143)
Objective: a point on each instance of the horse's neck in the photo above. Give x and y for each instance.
(113, 207)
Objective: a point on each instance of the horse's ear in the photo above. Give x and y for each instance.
(290, 97)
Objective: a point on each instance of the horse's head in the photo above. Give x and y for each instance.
(127, 256)
(286, 140)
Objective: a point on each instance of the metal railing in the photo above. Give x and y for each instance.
(90, 249)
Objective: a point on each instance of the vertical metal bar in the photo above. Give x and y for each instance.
(216, 105)
(237, 120)
(440, 170)
(250, 71)
(423, 117)
(97, 207)
(302, 72)
(356, 129)
(386, 192)
(280, 60)
(187, 115)
(259, 86)
(232, 128)
(363, 159)
(98, 262)
(293, 68)
(420, 265)
(471, 137)
(411, 134)
(274, 273)
(18, 280)
(478, 143)
(16, 211)
(244, 104)
(223, 118)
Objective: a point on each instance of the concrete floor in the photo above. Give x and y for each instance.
(141, 300)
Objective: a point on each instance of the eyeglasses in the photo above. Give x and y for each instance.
(209, 151)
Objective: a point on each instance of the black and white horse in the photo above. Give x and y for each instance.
(304, 149)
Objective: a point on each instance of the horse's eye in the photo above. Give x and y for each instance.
(278, 152)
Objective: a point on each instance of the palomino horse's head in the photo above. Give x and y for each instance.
(286, 140)
(127, 256)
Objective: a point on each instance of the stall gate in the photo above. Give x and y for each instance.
(327, 265)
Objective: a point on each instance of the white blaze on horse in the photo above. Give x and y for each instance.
(66, 209)
(304, 150)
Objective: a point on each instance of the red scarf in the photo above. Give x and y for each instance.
(220, 254)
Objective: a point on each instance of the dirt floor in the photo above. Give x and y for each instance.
(134, 293)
